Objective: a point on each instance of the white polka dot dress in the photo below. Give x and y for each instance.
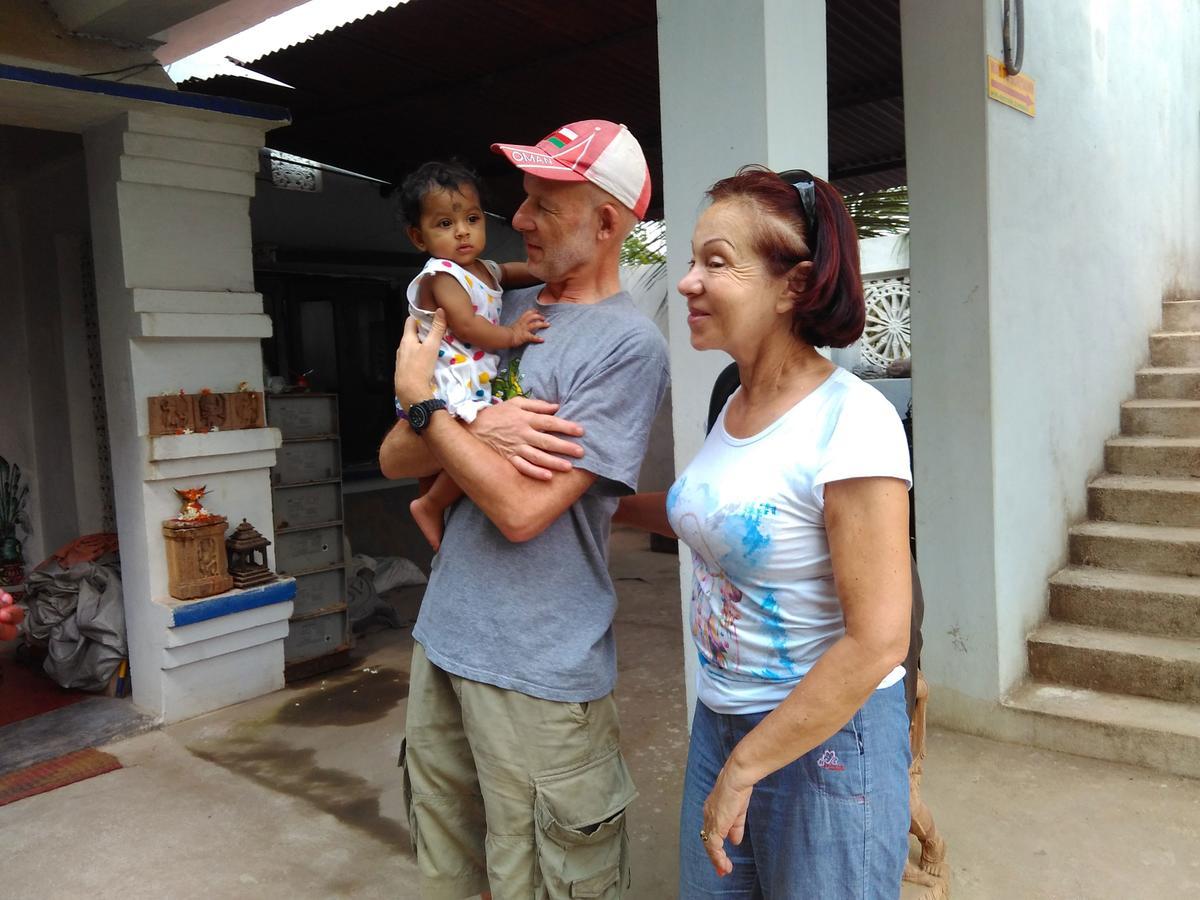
(463, 373)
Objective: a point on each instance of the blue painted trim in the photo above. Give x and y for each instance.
(189, 612)
(226, 105)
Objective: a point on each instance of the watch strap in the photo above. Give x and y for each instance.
(419, 414)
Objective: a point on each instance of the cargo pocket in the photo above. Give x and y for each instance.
(408, 797)
(582, 848)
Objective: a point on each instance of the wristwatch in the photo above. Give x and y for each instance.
(420, 413)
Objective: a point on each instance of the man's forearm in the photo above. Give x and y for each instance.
(519, 506)
(405, 455)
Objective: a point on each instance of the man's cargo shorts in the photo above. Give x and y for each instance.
(513, 794)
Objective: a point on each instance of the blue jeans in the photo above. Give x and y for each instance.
(831, 825)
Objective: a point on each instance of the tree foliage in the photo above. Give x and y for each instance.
(645, 246)
(877, 213)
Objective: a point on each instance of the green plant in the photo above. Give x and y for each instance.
(645, 246)
(878, 213)
(13, 496)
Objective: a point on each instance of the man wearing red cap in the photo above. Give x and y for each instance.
(513, 777)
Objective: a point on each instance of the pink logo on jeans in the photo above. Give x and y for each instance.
(829, 760)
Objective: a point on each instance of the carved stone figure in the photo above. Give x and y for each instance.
(932, 875)
(211, 411)
(245, 409)
(171, 414)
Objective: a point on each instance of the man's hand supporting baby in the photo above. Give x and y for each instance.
(514, 484)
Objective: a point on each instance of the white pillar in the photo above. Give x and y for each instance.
(945, 110)
(739, 83)
(169, 200)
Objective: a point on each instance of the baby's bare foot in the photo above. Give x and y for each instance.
(429, 519)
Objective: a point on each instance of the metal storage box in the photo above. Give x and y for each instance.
(302, 461)
(303, 549)
(319, 590)
(303, 415)
(307, 504)
(316, 636)
(307, 499)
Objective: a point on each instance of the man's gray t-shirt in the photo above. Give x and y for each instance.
(536, 617)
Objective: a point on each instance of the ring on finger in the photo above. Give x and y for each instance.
(703, 836)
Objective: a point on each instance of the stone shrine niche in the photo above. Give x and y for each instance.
(248, 557)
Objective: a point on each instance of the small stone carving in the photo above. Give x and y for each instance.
(245, 409)
(206, 412)
(248, 557)
(195, 549)
(212, 411)
(171, 414)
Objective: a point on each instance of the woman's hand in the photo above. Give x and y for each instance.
(415, 359)
(11, 616)
(725, 817)
(524, 431)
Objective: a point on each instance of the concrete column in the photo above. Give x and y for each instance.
(946, 135)
(169, 201)
(767, 105)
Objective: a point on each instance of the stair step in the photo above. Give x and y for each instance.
(1127, 601)
(1153, 455)
(1181, 315)
(1099, 659)
(1145, 499)
(1175, 348)
(1169, 383)
(1133, 730)
(1158, 549)
(1166, 418)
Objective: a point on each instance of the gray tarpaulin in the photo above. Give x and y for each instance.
(372, 577)
(80, 616)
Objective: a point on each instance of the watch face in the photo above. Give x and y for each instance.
(418, 416)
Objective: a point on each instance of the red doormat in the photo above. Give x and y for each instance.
(26, 692)
(56, 773)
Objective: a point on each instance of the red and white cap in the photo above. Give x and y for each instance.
(595, 150)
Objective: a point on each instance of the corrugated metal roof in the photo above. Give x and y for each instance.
(388, 92)
(866, 94)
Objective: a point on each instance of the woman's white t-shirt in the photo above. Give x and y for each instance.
(764, 606)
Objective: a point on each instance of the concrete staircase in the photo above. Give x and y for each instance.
(1115, 670)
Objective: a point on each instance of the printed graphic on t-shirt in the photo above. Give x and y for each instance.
(742, 534)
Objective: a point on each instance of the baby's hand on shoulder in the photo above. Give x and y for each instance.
(525, 329)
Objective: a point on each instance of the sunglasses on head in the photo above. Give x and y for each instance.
(802, 181)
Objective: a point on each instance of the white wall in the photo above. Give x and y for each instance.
(1093, 216)
(1041, 249)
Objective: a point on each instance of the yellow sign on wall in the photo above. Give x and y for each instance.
(1017, 91)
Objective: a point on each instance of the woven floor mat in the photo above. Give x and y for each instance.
(55, 773)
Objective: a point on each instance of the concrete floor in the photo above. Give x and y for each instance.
(296, 794)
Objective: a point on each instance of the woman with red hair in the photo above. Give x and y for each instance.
(796, 513)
